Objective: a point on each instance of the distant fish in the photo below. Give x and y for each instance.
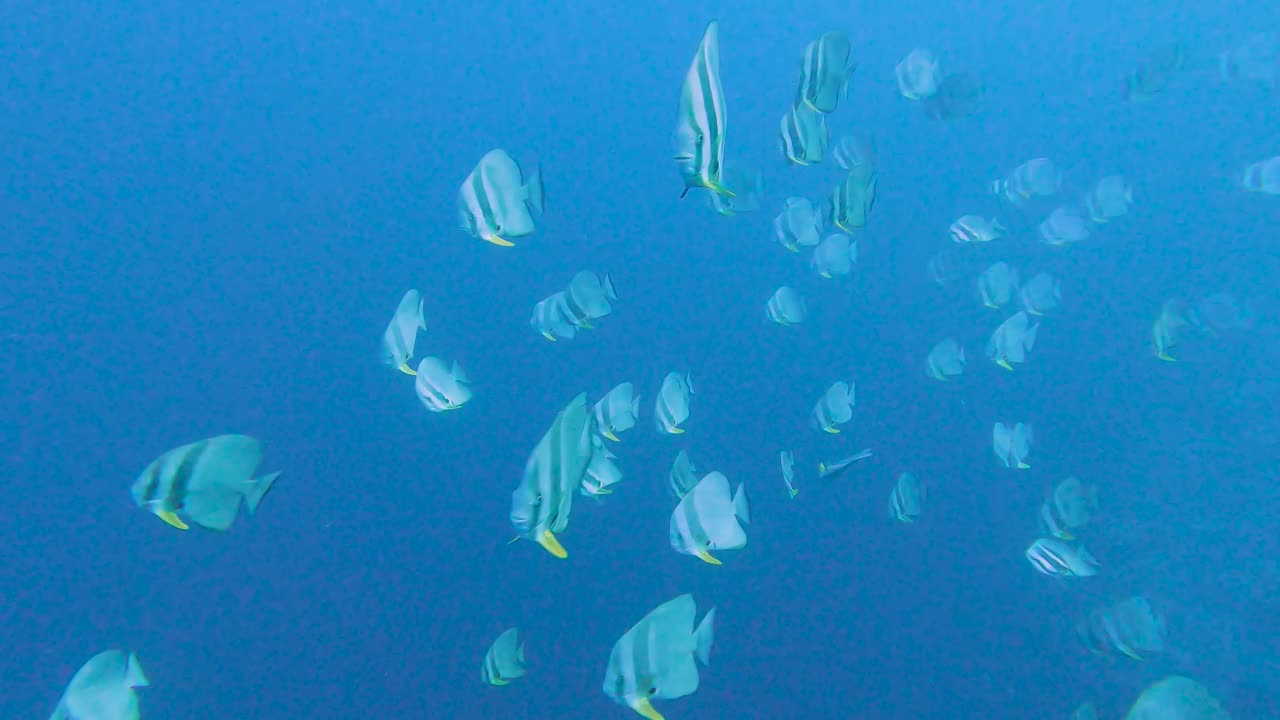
(1012, 444)
(798, 225)
(834, 408)
(974, 228)
(906, 502)
(836, 468)
(958, 95)
(1012, 340)
(1038, 177)
(1040, 295)
(1131, 627)
(1262, 177)
(1066, 225)
(997, 284)
(1110, 198)
(803, 136)
(857, 148)
(786, 307)
(825, 72)
(1177, 698)
(682, 476)
(919, 74)
(504, 661)
(1155, 72)
(852, 200)
(602, 471)
(787, 460)
(1052, 556)
(835, 256)
(946, 360)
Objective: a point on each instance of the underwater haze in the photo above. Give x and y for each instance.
(210, 211)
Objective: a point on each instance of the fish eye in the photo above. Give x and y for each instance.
(652, 691)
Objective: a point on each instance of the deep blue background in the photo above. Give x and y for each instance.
(208, 212)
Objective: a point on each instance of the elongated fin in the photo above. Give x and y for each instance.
(534, 190)
(257, 489)
(704, 637)
(742, 504)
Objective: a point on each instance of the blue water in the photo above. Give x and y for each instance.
(207, 215)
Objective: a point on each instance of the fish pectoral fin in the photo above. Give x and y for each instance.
(708, 558)
(608, 435)
(604, 491)
(833, 430)
(795, 492)
(548, 540)
(1004, 364)
(548, 336)
(1022, 465)
(172, 518)
(404, 368)
(499, 240)
(675, 430)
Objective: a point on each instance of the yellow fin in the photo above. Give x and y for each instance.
(548, 336)
(500, 681)
(645, 708)
(1165, 356)
(1034, 312)
(604, 491)
(833, 430)
(1004, 364)
(172, 518)
(720, 189)
(795, 492)
(825, 274)
(675, 430)
(1022, 465)
(1129, 651)
(793, 248)
(404, 368)
(496, 240)
(608, 435)
(707, 558)
(822, 467)
(548, 540)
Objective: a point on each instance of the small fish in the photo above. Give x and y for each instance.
(1040, 295)
(1110, 198)
(852, 200)
(103, 688)
(1012, 445)
(504, 660)
(919, 74)
(786, 307)
(682, 476)
(906, 502)
(671, 407)
(709, 518)
(946, 360)
(655, 659)
(803, 136)
(975, 228)
(204, 482)
(835, 256)
(442, 387)
(617, 411)
(787, 460)
(997, 284)
(825, 72)
(836, 468)
(835, 407)
(1262, 177)
(401, 335)
(1012, 340)
(798, 225)
(1052, 556)
(1066, 225)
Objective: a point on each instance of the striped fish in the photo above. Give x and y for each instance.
(803, 136)
(672, 405)
(825, 72)
(700, 125)
(1053, 556)
(497, 202)
(853, 199)
(204, 482)
(504, 661)
(540, 505)
(401, 335)
(709, 518)
(654, 660)
(906, 502)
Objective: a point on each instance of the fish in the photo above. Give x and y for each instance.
(589, 297)
(104, 688)
(504, 660)
(975, 228)
(1262, 177)
(1040, 295)
(1055, 557)
(835, 256)
(1177, 698)
(1073, 503)
(840, 466)
(919, 74)
(946, 360)
(702, 119)
(1257, 59)
(747, 188)
(959, 95)
(602, 471)
(835, 407)
(787, 460)
(798, 225)
(853, 199)
(671, 407)
(825, 72)
(803, 136)
(857, 148)
(204, 483)
(1012, 445)
(906, 502)
(496, 202)
(401, 335)
(997, 284)
(1155, 72)
(683, 475)
(552, 318)
(1066, 225)
(1132, 627)
(786, 307)
(1012, 340)
(442, 387)
(1038, 177)
(1166, 331)
(655, 659)
(617, 411)
(542, 502)
(1109, 198)
(709, 518)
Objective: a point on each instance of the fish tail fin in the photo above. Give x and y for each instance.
(635, 407)
(795, 492)
(533, 190)
(705, 636)
(822, 467)
(257, 489)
